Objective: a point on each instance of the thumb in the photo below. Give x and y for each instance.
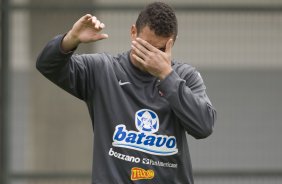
(168, 46)
(101, 37)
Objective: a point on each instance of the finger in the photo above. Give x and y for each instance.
(140, 48)
(139, 60)
(102, 26)
(101, 37)
(138, 52)
(169, 45)
(87, 16)
(147, 45)
(97, 25)
(91, 20)
(94, 19)
(87, 19)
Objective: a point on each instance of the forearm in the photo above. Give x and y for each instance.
(195, 112)
(54, 64)
(67, 71)
(52, 58)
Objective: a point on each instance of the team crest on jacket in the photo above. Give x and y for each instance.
(147, 123)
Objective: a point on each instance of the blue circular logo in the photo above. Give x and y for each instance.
(146, 121)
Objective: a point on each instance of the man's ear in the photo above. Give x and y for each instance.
(133, 32)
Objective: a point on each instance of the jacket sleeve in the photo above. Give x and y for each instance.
(188, 100)
(68, 71)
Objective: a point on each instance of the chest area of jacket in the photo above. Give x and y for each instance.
(118, 87)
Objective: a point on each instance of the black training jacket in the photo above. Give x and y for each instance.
(139, 122)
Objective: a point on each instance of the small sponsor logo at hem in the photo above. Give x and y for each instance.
(141, 174)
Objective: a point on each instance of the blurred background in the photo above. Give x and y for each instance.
(46, 134)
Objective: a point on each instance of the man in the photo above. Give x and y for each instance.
(141, 102)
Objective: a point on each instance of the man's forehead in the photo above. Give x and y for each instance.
(149, 35)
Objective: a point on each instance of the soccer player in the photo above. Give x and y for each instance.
(141, 102)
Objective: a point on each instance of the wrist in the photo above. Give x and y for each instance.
(73, 38)
(164, 74)
(70, 42)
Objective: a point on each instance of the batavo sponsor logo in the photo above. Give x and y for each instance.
(147, 122)
(141, 174)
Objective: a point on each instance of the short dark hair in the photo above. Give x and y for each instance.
(160, 18)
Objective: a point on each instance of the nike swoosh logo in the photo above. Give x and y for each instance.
(123, 83)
